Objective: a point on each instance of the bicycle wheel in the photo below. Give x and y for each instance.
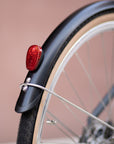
(81, 76)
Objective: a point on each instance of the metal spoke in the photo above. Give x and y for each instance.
(89, 69)
(89, 77)
(77, 95)
(54, 143)
(112, 73)
(67, 101)
(106, 74)
(58, 142)
(61, 130)
(112, 67)
(105, 63)
(99, 108)
(74, 89)
(73, 114)
(63, 125)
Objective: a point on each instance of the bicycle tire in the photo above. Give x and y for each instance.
(28, 119)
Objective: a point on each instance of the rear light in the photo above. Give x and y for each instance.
(33, 57)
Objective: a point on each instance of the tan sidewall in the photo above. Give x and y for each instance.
(93, 23)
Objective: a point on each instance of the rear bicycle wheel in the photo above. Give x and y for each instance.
(83, 74)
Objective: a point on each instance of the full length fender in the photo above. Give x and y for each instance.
(52, 49)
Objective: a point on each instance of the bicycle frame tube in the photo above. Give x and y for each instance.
(53, 47)
(99, 108)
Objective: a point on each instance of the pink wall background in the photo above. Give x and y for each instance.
(23, 23)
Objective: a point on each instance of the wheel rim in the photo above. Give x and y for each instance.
(104, 27)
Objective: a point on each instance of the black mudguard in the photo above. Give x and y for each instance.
(54, 46)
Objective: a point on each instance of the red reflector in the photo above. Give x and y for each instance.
(33, 57)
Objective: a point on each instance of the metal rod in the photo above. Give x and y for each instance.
(67, 101)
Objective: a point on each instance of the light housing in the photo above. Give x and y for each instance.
(33, 57)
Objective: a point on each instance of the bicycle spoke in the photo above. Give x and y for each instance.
(105, 63)
(74, 89)
(89, 69)
(112, 72)
(112, 62)
(77, 95)
(63, 125)
(73, 114)
(63, 142)
(61, 130)
(89, 77)
(67, 101)
(106, 75)
(99, 108)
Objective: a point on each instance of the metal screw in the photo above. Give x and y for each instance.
(53, 122)
(28, 79)
(26, 87)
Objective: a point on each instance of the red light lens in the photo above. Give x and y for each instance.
(33, 57)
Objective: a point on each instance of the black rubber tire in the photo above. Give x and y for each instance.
(26, 127)
(27, 122)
